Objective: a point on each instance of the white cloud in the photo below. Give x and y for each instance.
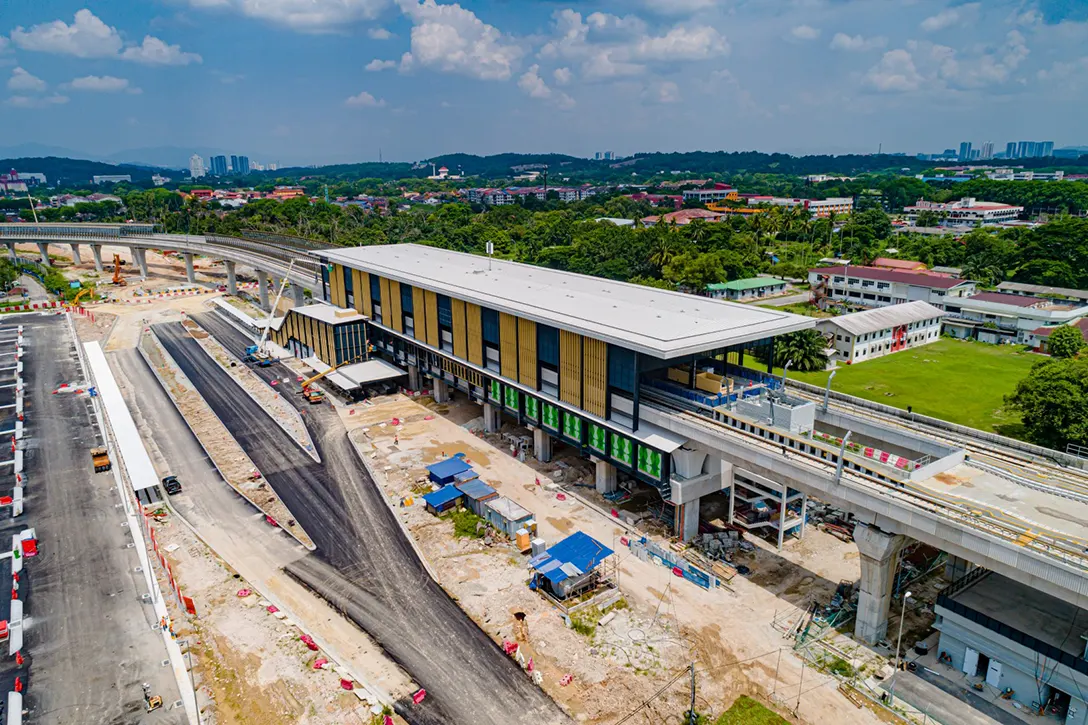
(949, 17)
(364, 100)
(5, 44)
(23, 81)
(308, 16)
(663, 92)
(533, 85)
(377, 64)
(683, 44)
(857, 43)
(102, 84)
(805, 32)
(1063, 70)
(37, 101)
(562, 76)
(936, 67)
(86, 37)
(379, 34)
(895, 73)
(228, 78)
(451, 39)
(155, 52)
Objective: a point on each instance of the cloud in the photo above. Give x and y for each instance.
(89, 37)
(364, 100)
(666, 92)
(5, 44)
(23, 81)
(37, 101)
(86, 37)
(307, 16)
(895, 73)
(377, 64)
(102, 84)
(562, 76)
(805, 32)
(683, 44)
(949, 17)
(857, 43)
(936, 68)
(535, 87)
(379, 34)
(1063, 70)
(451, 39)
(228, 78)
(155, 52)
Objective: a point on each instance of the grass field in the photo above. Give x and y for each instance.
(746, 711)
(958, 381)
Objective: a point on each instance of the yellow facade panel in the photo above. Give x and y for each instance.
(594, 376)
(383, 285)
(570, 368)
(431, 301)
(419, 314)
(396, 319)
(360, 282)
(527, 353)
(474, 326)
(508, 345)
(460, 334)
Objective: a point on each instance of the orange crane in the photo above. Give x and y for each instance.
(117, 278)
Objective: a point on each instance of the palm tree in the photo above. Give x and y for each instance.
(665, 249)
(805, 348)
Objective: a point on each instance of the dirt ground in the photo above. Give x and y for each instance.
(727, 631)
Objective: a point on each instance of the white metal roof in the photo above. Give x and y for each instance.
(371, 371)
(882, 318)
(328, 313)
(1040, 289)
(653, 321)
(508, 509)
(336, 378)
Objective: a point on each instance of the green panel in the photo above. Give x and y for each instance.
(495, 391)
(649, 462)
(511, 398)
(598, 438)
(551, 416)
(532, 408)
(572, 427)
(622, 450)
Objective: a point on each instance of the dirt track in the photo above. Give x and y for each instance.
(364, 564)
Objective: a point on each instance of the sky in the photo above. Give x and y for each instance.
(325, 81)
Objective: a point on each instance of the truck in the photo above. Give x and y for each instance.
(101, 459)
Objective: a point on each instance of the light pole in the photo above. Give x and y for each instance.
(898, 645)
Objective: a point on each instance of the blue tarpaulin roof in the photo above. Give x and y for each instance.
(475, 489)
(444, 471)
(442, 496)
(465, 476)
(573, 556)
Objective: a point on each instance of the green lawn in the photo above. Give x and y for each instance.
(746, 711)
(958, 381)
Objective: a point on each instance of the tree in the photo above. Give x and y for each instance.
(804, 347)
(1053, 402)
(928, 218)
(1065, 342)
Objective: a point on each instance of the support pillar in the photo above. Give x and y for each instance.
(492, 418)
(262, 289)
(413, 377)
(956, 568)
(542, 445)
(232, 278)
(441, 391)
(299, 295)
(11, 250)
(96, 252)
(879, 557)
(687, 520)
(606, 478)
(76, 259)
(43, 249)
(141, 259)
(190, 271)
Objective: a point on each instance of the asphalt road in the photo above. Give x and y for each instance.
(364, 564)
(90, 638)
(945, 701)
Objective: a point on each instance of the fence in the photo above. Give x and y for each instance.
(184, 602)
(646, 550)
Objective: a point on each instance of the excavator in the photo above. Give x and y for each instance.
(117, 278)
(315, 396)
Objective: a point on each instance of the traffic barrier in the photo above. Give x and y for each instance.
(183, 601)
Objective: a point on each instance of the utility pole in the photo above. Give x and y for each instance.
(691, 710)
(777, 664)
(799, 684)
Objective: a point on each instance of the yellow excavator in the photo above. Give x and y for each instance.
(117, 278)
(82, 292)
(316, 396)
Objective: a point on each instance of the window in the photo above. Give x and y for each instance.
(445, 312)
(621, 369)
(490, 320)
(375, 287)
(547, 345)
(406, 299)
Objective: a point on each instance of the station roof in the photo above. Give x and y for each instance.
(653, 321)
(860, 323)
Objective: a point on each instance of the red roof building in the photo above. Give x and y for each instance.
(905, 265)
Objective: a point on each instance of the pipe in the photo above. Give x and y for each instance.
(827, 390)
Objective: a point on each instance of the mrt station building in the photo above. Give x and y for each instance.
(569, 356)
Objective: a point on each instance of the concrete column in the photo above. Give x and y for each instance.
(441, 391)
(190, 271)
(76, 259)
(262, 289)
(606, 478)
(492, 418)
(413, 377)
(141, 259)
(96, 252)
(43, 249)
(956, 568)
(11, 250)
(232, 278)
(542, 445)
(687, 520)
(879, 557)
(299, 294)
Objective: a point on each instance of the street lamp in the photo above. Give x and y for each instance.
(898, 646)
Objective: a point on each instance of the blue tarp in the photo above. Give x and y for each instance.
(475, 489)
(466, 476)
(441, 497)
(579, 550)
(444, 471)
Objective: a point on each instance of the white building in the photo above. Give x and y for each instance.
(996, 317)
(196, 167)
(865, 335)
(159, 179)
(111, 179)
(874, 287)
(821, 208)
(1015, 175)
(705, 196)
(966, 211)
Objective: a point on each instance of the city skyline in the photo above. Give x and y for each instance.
(412, 79)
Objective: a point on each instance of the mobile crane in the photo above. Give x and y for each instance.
(259, 353)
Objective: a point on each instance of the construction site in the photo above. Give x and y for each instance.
(343, 528)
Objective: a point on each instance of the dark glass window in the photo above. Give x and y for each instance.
(547, 345)
(445, 312)
(406, 299)
(491, 325)
(621, 368)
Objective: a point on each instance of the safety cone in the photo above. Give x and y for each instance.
(19, 658)
(18, 684)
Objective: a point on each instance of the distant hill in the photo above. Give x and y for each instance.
(61, 171)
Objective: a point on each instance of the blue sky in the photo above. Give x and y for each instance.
(334, 80)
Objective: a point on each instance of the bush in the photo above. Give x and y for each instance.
(465, 523)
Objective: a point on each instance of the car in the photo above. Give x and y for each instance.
(172, 485)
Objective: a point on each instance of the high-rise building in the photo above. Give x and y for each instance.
(1010, 150)
(1021, 149)
(1045, 148)
(965, 151)
(976, 154)
(987, 151)
(218, 166)
(196, 166)
(240, 165)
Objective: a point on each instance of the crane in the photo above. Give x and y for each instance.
(259, 351)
